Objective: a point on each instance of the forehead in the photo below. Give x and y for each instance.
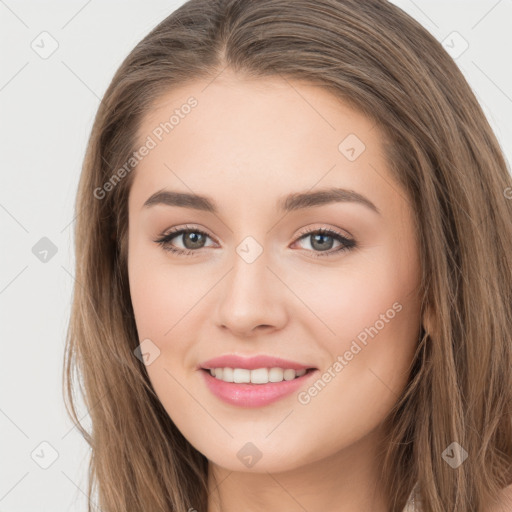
(252, 109)
(259, 136)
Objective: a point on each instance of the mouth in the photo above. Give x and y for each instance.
(257, 387)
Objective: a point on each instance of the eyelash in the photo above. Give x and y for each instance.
(347, 244)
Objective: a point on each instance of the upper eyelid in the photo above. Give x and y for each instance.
(183, 229)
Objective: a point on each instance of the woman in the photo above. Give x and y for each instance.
(294, 250)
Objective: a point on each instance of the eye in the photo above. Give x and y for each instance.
(321, 241)
(191, 237)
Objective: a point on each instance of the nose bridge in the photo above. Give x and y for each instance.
(251, 295)
(250, 274)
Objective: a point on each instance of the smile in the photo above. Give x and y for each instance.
(254, 388)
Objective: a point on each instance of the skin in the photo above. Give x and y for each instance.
(247, 144)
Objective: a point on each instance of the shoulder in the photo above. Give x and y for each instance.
(505, 501)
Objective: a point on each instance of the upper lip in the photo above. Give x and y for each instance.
(252, 363)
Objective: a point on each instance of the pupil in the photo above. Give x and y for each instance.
(195, 239)
(322, 246)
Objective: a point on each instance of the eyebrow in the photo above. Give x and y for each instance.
(292, 202)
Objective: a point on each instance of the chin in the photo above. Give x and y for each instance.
(246, 456)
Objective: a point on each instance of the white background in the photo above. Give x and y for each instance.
(47, 109)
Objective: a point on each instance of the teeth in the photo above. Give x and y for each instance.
(257, 376)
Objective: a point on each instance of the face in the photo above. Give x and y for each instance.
(302, 248)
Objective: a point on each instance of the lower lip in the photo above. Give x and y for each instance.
(253, 395)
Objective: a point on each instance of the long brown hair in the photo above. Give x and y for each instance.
(441, 150)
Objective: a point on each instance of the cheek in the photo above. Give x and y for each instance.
(162, 304)
(168, 302)
(161, 293)
(371, 309)
(368, 366)
(373, 294)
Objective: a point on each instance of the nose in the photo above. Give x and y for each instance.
(252, 299)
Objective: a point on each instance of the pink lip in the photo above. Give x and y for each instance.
(253, 395)
(251, 363)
